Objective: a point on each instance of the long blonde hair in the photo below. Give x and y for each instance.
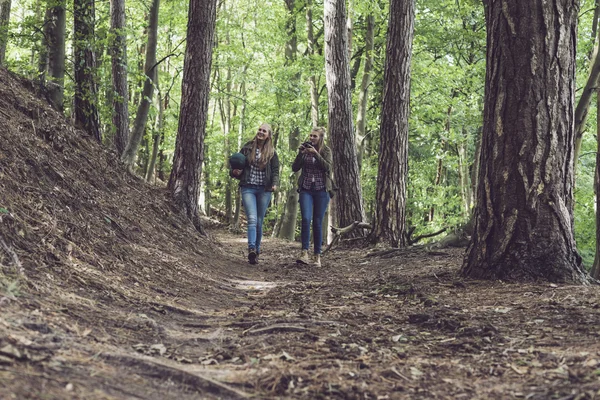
(321, 131)
(267, 150)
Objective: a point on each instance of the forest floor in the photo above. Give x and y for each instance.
(107, 293)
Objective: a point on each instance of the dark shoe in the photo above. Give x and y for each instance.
(252, 256)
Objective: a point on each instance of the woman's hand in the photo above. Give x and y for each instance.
(236, 172)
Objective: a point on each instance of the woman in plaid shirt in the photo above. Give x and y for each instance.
(315, 185)
(258, 180)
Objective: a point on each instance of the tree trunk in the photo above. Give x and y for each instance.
(160, 117)
(524, 213)
(595, 272)
(184, 182)
(314, 91)
(363, 95)
(52, 54)
(289, 217)
(5, 6)
(120, 114)
(150, 71)
(390, 214)
(349, 207)
(85, 102)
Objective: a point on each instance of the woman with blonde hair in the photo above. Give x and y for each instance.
(315, 187)
(258, 178)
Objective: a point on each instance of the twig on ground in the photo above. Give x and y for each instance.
(275, 328)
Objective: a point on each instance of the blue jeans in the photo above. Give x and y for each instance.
(313, 205)
(255, 200)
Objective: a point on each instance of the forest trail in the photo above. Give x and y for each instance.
(107, 293)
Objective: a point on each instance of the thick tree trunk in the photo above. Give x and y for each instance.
(5, 6)
(150, 72)
(393, 148)
(184, 182)
(85, 102)
(349, 207)
(524, 212)
(52, 57)
(120, 114)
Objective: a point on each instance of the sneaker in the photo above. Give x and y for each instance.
(252, 256)
(317, 260)
(303, 259)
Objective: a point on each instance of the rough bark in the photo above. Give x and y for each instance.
(5, 6)
(348, 207)
(158, 131)
(52, 55)
(184, 182)
(390, 206)
(85, 101)
(120, 115)
(524, 213)
(311, 42)
(150, 70)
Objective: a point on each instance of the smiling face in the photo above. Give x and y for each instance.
(314, 138)
(263, 133)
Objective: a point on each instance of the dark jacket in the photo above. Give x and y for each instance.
(271, 169)
(324, 162)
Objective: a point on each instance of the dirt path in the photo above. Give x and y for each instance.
(402, 327)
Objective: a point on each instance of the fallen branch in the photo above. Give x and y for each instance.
(275, 328)
(421, 237)
(338, 232)
(171, 371)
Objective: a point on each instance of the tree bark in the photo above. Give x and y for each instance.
(363, 95)
(289, 217)
(524, 213)
(184, 182)
(120, 114)
(150, 71)
(595, 272)
(390, 213)
(5, 6)
(158, 132)
(85, 102)
(311, 42)
(349, 206)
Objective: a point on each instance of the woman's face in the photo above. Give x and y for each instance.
(263, 133)
(314, 138)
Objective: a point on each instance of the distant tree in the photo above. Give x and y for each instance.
(4, 20)
(524, 212)
(287, 225)
(348, 202)
(390, 200)
(184, 182)
(85, 102)
(141, 117)
(120, 113)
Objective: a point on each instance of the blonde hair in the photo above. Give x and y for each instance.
(321, 131)
(267, 150)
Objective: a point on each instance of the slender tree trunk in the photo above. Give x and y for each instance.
(184, 182)
(120, 114)
(314, 91)
(583, 106)
(390, 214)
(289, 217)
(595, 272)
(5, 6)
(160, 117)
(349, 207)
(150, 71)
(86, 101)
(524, 213)
(363, 95)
